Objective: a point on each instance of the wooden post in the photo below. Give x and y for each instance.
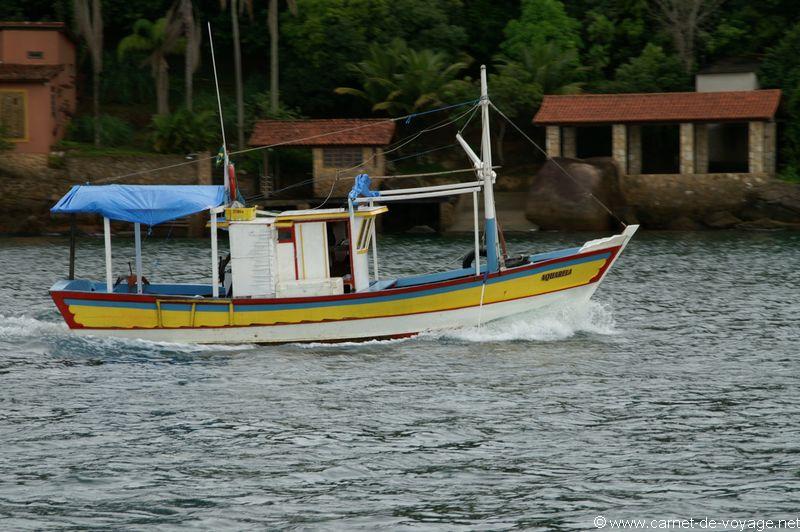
(477, 233)
(107, 239)
(374, 239)
(72, 231)
(137, 238)
(214, 257)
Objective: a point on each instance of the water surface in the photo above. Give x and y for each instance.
(675, 394)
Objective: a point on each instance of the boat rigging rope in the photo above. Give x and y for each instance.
(407, 118)
(563, 170)
(390, 149)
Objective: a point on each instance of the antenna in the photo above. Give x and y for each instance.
(219, 107)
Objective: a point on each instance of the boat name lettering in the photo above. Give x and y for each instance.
(554, 275)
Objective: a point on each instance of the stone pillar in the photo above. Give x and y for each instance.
(553, 141)
(701, 148)
(756, 147)
(619, 146)
(687, 149)
(634, 150)
(570, 143)
(769, 148)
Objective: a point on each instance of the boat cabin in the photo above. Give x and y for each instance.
(301, 253)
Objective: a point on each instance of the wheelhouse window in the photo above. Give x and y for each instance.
(12, 114)
(341, 157)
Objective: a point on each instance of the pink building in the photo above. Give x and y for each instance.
(37, 83)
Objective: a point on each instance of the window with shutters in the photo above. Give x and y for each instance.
(12, 114)
(341, 157)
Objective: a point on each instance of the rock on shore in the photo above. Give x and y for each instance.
(678, 202)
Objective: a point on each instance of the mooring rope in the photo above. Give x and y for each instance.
(563, 170)
(283, 143)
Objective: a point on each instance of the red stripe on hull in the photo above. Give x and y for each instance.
(60, 296)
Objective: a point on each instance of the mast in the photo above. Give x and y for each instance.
(221, 122)
(487, 174)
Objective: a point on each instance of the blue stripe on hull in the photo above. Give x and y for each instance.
(201, 307)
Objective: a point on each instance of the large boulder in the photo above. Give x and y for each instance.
(774, 200)
(560, 195)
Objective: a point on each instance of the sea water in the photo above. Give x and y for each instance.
(675, 394)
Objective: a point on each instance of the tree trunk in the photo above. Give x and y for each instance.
(96, 104)
(162, 86)
(237, 63)
(501, 135)
(191, 36)
(92, 28)
(272, 17)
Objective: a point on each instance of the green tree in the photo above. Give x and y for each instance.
(781, 69)
(541, 22)
(183, 15)
(154, 40)
(377, 73)
(328, 35)
(237, 8)
(399, 80)
(184, 131)
(683, 21)
(89, 20)
(518, 86)
(745, 28)
(272, 23)
(652, 71)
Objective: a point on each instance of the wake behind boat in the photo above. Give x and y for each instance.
(314, 275)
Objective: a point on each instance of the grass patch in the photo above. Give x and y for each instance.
(82, 149)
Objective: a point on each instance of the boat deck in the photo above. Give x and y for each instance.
(195, 290)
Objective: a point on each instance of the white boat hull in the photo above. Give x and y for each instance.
(349, 330)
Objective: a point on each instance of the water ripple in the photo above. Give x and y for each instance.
(675, 394)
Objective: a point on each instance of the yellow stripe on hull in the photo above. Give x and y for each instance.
(498, 290)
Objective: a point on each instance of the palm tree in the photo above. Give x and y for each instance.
(272, 22)
(377, 74)
(236, 9)
(182, 15)
(90, 25)
(156, 40)
(399, 80)
(554, 69)
(520, 83)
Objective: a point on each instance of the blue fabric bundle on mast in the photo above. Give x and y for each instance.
(145, 204)
(361, 188)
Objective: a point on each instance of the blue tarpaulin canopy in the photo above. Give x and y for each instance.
(146, 204)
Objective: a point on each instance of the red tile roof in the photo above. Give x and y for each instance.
(330, 132)
(16, 72)
(658, 107)
(32, 25)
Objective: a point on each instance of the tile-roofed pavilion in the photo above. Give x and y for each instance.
(341, 148)
(741, 121)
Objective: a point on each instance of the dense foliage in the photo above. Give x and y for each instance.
(184, 131)
(114, 131)
(398, 56)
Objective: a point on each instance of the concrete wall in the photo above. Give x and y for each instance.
(374, 163)
(18, 42)
(42, 128)
(29, 187)
(660, 199)
(739, 81)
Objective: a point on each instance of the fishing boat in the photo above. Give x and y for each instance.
(314, 275)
